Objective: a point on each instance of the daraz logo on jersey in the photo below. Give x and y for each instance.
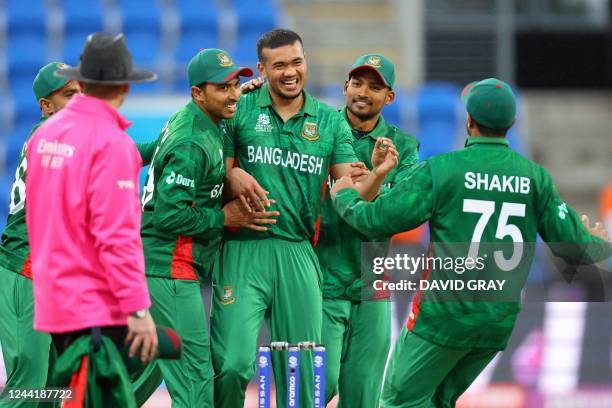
(179, 179)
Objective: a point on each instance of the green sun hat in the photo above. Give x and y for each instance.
(46, 82)
(377, 63)
(490, 103)
(215, 66)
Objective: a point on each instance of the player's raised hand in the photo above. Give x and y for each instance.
(237, 216)
(359, 171)
(252, 85)
(341, 184)
(597, 230)
(380, 150)
(243, 186)
(390, 161)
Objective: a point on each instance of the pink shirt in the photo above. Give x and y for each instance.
(83, 219)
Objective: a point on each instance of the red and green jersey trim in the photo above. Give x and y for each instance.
(182, 266)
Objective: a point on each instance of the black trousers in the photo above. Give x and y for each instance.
(117, 334)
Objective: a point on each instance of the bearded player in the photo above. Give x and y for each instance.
(353, 321)
(493, 200)
(26, 352)
(289, 142)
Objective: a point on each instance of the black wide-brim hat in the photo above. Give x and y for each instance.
(106, 60)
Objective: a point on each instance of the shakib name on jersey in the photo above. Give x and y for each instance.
(494, 182)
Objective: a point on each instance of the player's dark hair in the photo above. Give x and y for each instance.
(486, 131)
(278, 37)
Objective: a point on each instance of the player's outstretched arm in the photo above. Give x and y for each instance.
(568, 235)
(369, 186)
(406, 206)
(596, 230)
(409, 158)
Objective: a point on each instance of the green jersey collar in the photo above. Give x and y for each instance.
(380, 130)
(196, 110)
(40, 122)
(309, 107)
(500, 141)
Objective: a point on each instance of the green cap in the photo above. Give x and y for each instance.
(377, 63)
(490, 103)
(46, 82)
(215, 66)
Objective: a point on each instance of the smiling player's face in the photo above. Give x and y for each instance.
(219, 101)
(366, 94)
(285, 68)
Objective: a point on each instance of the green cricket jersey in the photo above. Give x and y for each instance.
(15, 248)
(182, 220)
(146, 150)
(339, 245)
(289, 159)
(481, 195)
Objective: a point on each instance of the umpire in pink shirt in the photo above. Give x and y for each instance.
(83, 212)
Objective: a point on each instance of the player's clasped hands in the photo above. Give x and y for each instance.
(244, 187)
(359, 171)
(237, 215)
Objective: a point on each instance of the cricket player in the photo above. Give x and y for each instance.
(83, 220)
(27, 354)
(183, 221)
(483, 194)
(356, 328)
(289, 142)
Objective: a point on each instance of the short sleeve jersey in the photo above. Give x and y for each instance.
(339, 245)
(289, 159)
(15, 248)
(182, 221)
